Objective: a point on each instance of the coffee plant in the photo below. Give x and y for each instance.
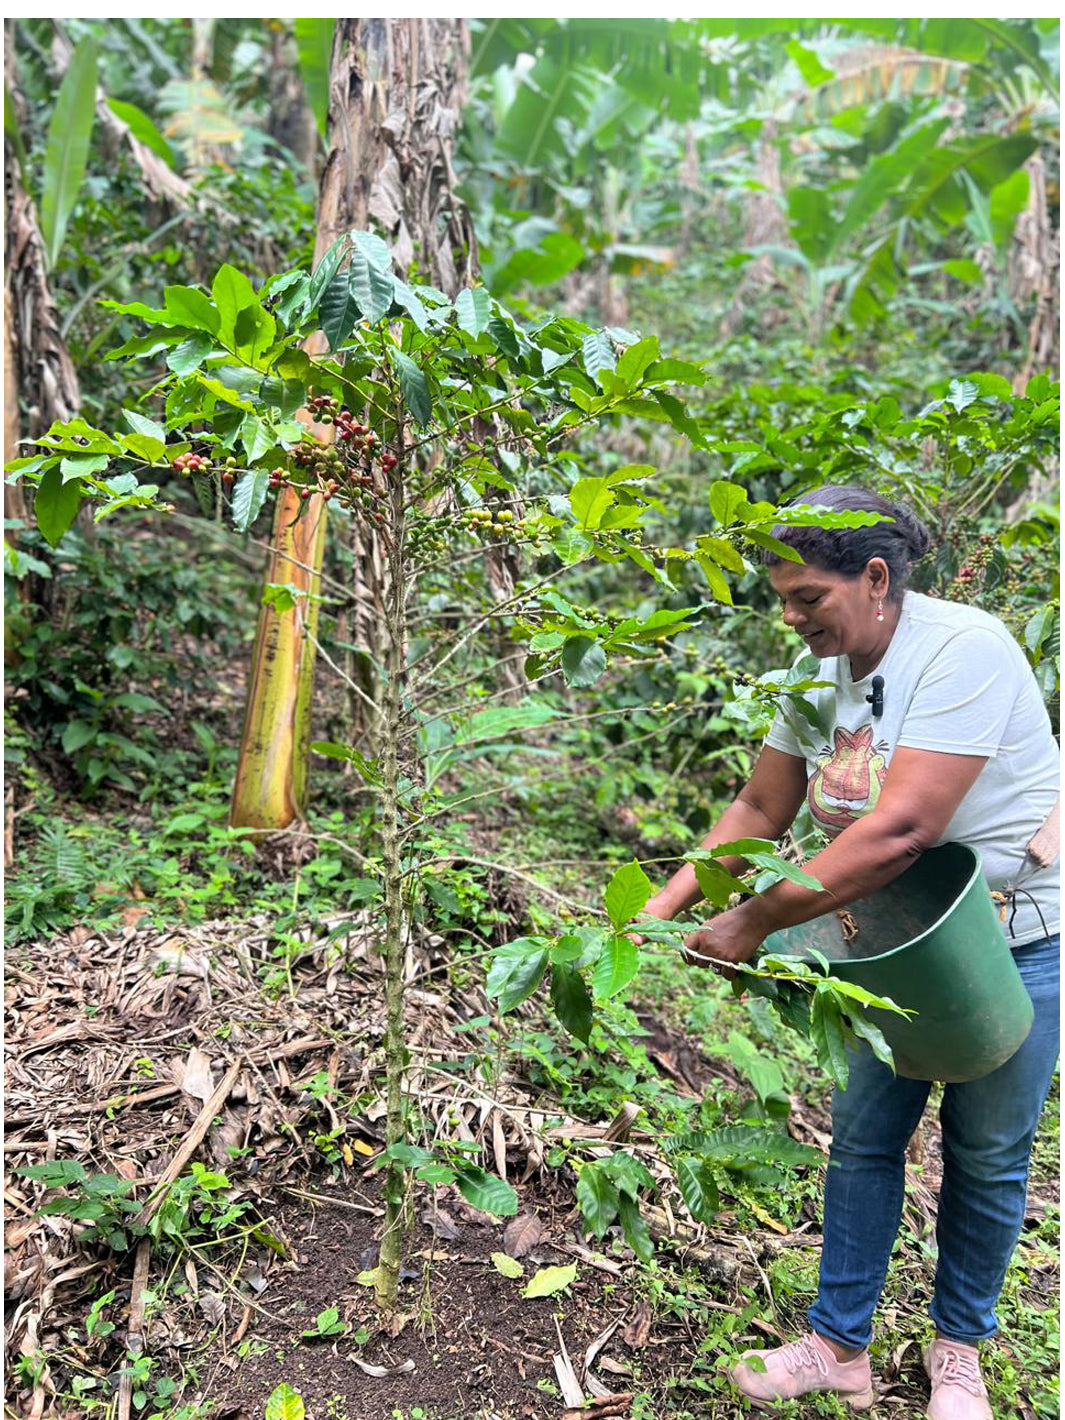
(590, 964)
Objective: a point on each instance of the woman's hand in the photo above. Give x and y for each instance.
(730, 938)
(656, 909)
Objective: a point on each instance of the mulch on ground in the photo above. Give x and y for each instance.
(138, 1052)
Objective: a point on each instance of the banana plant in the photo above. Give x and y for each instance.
(67, 153)
(868, 130)
(314, 43)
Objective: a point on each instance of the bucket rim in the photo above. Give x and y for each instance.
(977, 869)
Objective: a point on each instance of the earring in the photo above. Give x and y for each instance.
(880, 611)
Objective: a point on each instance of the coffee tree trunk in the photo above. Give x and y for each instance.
(396, 94)
(390, 735)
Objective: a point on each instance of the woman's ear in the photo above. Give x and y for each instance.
(879, 575)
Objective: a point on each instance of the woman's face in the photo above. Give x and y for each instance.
(835, 615)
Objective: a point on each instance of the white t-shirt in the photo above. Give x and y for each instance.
(957, 682)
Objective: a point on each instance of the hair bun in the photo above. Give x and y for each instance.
(918, 538)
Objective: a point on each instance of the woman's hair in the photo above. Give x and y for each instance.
(848, 550)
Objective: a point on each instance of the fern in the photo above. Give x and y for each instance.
(54, 895)
(62, 858)
(738, 1144)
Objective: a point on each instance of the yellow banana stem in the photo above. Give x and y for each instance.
(269, 791)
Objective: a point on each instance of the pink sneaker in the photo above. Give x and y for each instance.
(958, 1391)
(804, 1366)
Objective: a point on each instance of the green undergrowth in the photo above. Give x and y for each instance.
(1021, 1366)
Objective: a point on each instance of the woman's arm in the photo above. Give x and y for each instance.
(764, 808)
(922, 791)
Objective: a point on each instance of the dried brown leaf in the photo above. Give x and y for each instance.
(213, 1306)
(572, 1392)
(596, 1346)
(605, 1406)
(440, 1221)
(522, 1234)
(228, 1134)
(638, 1328)
(197, 1080)
(499, 1144)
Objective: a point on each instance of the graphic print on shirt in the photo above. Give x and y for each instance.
(847, 781)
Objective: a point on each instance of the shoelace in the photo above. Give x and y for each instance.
(960, 1368)
(803, 1354)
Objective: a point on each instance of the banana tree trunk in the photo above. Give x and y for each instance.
(269, 790)
(40, 365)
(396, 92)
(40, 382)
(14, 500)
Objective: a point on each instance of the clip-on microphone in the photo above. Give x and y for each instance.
(877, 697)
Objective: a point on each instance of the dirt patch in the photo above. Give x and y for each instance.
(676, 1056)
(467, 1345)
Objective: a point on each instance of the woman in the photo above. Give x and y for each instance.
(960, 751)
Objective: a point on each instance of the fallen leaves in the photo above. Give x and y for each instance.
(195, 1077)
(285, 1404)
(638, 1328)
(572, 1390)
(213, 1306)
(604, 1402)
(550, 1280)
(602, 1408)
(441, 1223)
(509, 1266)
(522, 1234)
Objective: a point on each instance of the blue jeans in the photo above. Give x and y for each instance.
(988, 1127)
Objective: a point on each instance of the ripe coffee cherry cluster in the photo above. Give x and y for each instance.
(974, 568)
(322, 406)
(324, 465)
(316, 458)
(328, 411)
(279, 478)
(191, 463)
(322, 469)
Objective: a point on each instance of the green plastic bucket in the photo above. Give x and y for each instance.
(932, 941)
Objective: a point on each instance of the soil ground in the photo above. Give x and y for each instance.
(470, 1343)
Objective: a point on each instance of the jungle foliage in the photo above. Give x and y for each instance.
(722, 263)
